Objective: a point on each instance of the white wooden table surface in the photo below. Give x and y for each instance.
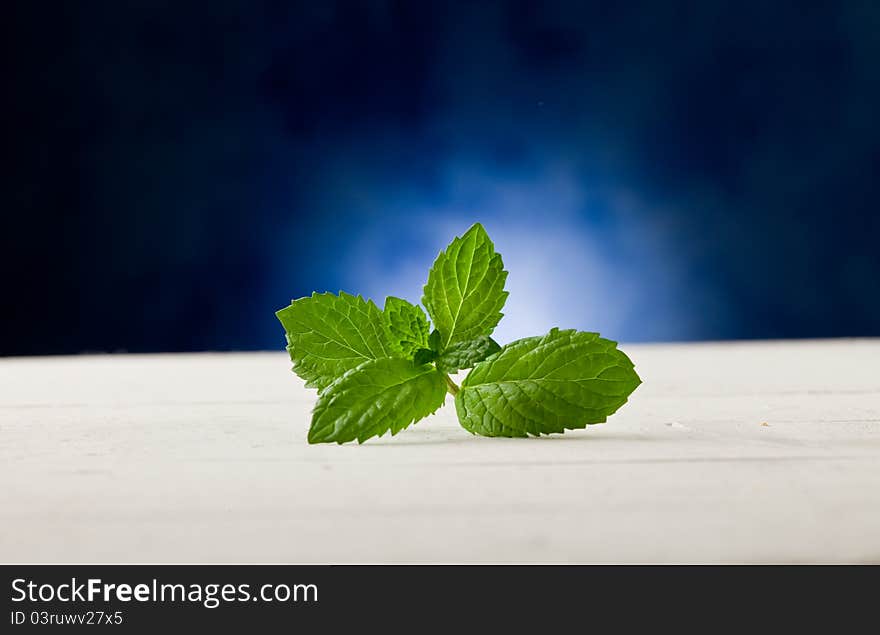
(739, 452)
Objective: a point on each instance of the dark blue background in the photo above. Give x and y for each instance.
(656, 171)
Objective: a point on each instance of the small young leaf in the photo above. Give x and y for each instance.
(434, 342)
(540, 385)
(465, 290)
(424, 356)
(377, 396)
(328, 335)
(463, 355)
(407, 325)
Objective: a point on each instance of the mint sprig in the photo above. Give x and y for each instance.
(382, 370)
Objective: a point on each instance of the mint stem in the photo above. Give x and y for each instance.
(451, 387)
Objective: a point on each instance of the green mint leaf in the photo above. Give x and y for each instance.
(328, 335)
(540, 385)
(463, 355)
(465, 290)
(377, 396)
(407, 325)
